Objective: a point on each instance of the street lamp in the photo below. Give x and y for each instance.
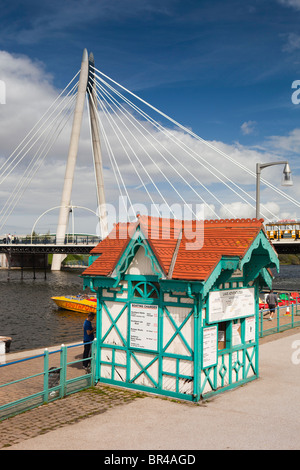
(286, 180)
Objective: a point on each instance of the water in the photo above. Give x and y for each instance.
(287, 279)
(31, 318)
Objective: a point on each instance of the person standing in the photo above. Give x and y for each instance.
(88, 337)
(272, 302)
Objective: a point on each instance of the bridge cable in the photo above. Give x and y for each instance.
(27, 178)
(131, 119)
(152, 181)
(158, 126)
(184, 147)
(38, 137)
(112, 156)
(37, 160)
(35, 126)
(114, 126)
(176, 141)
(291, 199)
(108, 149)
(49, 126)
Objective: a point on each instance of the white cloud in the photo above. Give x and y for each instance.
(193, 176)
(292, 42)
(248, 127)
(290, 3)
(29, 93)
(285, 144)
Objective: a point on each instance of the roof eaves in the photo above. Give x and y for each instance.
(228, 263)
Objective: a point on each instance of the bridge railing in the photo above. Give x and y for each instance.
(52, 240)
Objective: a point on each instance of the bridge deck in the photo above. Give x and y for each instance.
(286, 246)
(46, 248)
(283, 246)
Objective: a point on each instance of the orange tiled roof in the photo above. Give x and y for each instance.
(175, 250)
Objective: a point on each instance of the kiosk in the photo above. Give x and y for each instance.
(178, 303)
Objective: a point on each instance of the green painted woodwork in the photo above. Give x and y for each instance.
(31, 394)
(174, 368)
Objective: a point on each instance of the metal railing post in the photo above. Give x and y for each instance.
(46, 376)
(93, 361)
(261, 314)
(63, 370)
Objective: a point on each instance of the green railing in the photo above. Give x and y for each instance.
(35, 380)
(40, 379)
(285, 317)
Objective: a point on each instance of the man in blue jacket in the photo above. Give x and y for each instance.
(88, 337)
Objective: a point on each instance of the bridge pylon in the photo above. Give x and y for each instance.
(85, 81)
(97, 149)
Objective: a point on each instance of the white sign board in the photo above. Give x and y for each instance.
(210, 346)
(236, 334)
(144, 326)
(2, 352)
(250, 329)
(230, 304)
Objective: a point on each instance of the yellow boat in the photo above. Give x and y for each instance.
(77, 303)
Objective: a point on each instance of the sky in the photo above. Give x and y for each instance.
(227, 71)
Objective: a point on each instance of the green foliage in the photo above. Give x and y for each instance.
(289, 259)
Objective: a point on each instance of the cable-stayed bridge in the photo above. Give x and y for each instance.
(144, 161)
(24, 252)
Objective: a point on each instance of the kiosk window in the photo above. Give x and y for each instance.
(222, 327)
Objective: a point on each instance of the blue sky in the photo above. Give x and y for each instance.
(212, 65)
(222, 68)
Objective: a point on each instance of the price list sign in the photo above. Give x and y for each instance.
(144, 326)
(210, 346)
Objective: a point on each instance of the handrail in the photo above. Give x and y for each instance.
(47, 391)
(51, 240)
(283, 319)
(22, 360)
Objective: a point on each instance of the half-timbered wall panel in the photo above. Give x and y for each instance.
(114, 323)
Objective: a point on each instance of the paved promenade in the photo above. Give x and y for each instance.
(264, 414)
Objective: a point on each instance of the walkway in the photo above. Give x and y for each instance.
(263, 414)
(61, 413)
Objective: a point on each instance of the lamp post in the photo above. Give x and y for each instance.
(286, 180)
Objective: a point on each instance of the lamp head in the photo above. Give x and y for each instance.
(287, 176)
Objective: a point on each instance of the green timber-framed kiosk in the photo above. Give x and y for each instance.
(177, 316)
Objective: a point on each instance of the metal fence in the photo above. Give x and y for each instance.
(286, 316)
(35, 380)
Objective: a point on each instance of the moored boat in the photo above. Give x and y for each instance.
(77, 303)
